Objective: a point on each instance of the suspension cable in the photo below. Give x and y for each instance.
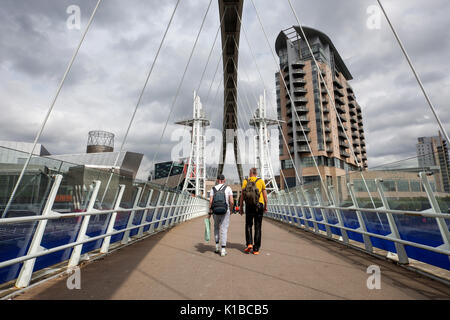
(331, 101)
(49, 111)
(292, 102)
(416, 75)
(140, 97)
(265, 88)
(200, 82)
(181, 81)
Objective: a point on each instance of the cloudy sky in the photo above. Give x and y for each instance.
(103, 86)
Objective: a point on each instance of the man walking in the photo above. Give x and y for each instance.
(255, 196)
(220, 202)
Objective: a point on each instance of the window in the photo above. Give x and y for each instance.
(403, 186)
(389, 185)
(415, 186)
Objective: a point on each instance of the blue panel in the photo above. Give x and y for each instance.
(15, 239)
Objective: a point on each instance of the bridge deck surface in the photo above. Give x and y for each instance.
(293, 264)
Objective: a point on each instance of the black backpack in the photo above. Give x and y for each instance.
(219, 204)
(251, 193)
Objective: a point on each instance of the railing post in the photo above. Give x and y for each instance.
(27, 268)
(292, 197)
(172, 210)
(76, 253)
(180, 203)
(311, 210)
(435, 208)
(339, 216)
(161, 216)
(126, 235)
(144, 215)
(400, 248)
(155, 211)
(324, 216)
(300, 201)
(362, 224)
(112, 220)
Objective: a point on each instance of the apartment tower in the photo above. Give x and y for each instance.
(433, 152)
(329, 141)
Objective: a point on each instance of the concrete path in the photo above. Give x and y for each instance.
(293, 264)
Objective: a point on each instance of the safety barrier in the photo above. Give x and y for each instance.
(421, 235)
(55, 237)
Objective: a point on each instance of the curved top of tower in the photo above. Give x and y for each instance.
(311, 34)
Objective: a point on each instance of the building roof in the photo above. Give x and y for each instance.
(280, 43)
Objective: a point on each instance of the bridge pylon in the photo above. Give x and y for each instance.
(260, 122)
(196, 170)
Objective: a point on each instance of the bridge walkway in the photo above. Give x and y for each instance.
(293, 264)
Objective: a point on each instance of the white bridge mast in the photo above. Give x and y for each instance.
(261, 142)
(196, 170)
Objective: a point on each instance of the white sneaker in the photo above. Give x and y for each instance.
(223, 252)
(217, 248)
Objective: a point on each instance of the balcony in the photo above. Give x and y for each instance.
(364, 157)
(327, 130)
(349, 89)
(356, 142)
(328, 140)
(300, 90)
(301, 109)
(305, 129)
(324, 101)
(343, 119)
(301, 100)
(326, 119)
(303, 149)
(353, 120)
(354, 127)
(339, 100)
(298, 64)
(340, 108)
(350, 97)
(363, 143)
(352, 112)
(337, 83)
(342, 135)
(302, 119)
(344, 144)
(355, 135)
(357, 151)
(329, 149)
(339, 92)
(344, 154)
(351, 104)
(325, 109)
(299, 81)
(302, 139)
(298, 73)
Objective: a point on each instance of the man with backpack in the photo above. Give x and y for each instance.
(220, 202)
(255, 196)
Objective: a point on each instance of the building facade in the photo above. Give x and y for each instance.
(318, 122)
(433, 152)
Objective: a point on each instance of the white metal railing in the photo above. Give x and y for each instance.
(182, 207)
(286, 206)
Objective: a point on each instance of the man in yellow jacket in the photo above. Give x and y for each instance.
(253, 211)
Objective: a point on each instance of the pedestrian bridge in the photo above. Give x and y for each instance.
(149, 245)
(177, 264)
(68, 231)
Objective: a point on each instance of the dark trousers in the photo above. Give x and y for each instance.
(253, 215)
